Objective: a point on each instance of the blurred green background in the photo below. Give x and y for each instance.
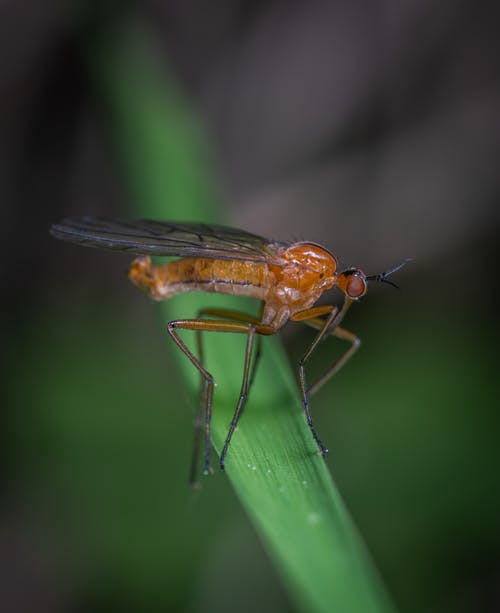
(372, 131)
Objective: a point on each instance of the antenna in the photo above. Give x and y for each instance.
(381, 277)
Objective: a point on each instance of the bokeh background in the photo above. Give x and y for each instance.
(373, 128)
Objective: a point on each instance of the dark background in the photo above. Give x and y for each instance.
(373, 128)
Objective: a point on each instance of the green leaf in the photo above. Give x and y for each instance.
(273, 462)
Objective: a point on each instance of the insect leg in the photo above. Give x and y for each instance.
(198, 417)
(248, 379)
(193, 470)
(326, 326)
(208, 385)
(256, 360)
(207, 325)
(229, 314)
(242, 398)
(343, 334)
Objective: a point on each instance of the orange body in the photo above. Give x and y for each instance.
(287, 279)
(302, 273)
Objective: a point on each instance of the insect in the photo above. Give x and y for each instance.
(288, 279)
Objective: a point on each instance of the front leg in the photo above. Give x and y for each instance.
(327, 326)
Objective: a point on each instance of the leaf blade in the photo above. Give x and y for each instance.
(273, 463)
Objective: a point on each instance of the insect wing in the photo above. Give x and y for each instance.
(168, 238)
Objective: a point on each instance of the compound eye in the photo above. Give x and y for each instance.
(356, 286)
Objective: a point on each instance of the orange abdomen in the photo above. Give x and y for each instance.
(202, 275)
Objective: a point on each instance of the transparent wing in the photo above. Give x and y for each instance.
(168, 238)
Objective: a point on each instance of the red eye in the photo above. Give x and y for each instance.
(356, 287)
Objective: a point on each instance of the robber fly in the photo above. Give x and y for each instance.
(288, 278)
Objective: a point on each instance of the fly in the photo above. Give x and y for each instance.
(288, 279)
